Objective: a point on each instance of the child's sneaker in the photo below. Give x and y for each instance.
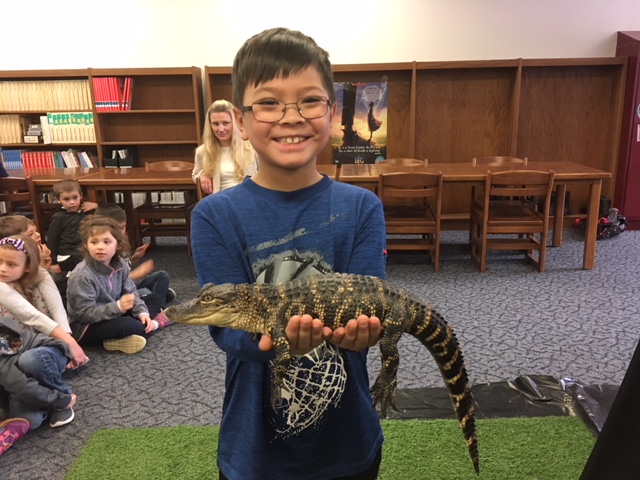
(59, 418)
(130, 344)
(162, 320)
(171, 295)
(12, 430)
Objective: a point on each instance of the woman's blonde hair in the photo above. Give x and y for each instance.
(212, 147)
(97, 224)
(29, 247)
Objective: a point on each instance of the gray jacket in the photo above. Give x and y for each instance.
(15, 339)
(93, 292)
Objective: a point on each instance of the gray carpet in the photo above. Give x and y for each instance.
(511, 321)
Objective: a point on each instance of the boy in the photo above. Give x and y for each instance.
(63, 237)
(288, 221)
(21, 225)
(147, 281)
(31, 368)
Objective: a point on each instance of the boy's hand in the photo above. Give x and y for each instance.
(142, 270)
(139, 252)
(88, 206)
(78, 357)
(72, 403)
(126, 302)
(357, 334)
(206, 184)
(303, 332)
(45, 256)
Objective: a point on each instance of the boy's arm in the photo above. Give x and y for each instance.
(53, 236)
(218, 262)
(28, 390)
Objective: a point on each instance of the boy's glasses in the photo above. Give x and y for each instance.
(270, 111)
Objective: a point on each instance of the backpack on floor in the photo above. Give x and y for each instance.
(608, 226)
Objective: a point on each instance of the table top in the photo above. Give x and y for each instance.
(465, 172)
(140, 177)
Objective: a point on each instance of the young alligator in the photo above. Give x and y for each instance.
(335, 299)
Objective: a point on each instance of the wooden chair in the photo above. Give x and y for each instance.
(404, 161)
(162, 218)
(520, 224)
(18, 194)
(417, 214)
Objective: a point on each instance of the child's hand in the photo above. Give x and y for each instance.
(303, 332)
(56, 269)
(140, 251)
(78, 357)
(149, 326)
(126, 302)
(142, 270)
(357, 334)
(72, 403)
(88, 206)
(45, 256)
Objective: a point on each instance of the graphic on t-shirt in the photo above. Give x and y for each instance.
(315, 381)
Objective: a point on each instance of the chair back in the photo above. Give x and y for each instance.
(408, 184)
(15, 190)
(168, 166)
(519, 184)
(499, 161)
(404, 161)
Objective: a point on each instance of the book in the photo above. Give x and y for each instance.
(359, 128)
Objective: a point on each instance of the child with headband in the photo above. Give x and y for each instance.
(34, 300)
(31, 364)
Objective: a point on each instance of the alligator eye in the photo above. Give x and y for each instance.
(208, 299)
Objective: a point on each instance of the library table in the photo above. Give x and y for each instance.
(565, 172)
(100, 184)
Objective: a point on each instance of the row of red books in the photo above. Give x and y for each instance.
(112, 93)
(52, 159)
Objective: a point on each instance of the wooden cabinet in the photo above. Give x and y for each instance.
(544, 109)
(164, 121)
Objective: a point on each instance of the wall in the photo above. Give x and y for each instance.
(59, 34)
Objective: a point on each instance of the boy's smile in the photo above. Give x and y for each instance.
(292, 143)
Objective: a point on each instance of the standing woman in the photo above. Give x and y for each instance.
(224, 159)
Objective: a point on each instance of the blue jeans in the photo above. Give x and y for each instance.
(156, 283)
(45, 365)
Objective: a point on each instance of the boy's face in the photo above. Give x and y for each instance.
(293, 141)
(32, 232)
(71, 201)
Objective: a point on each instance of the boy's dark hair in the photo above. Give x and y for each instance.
(278, 52)
(113, 211)
(13, 225)
(97, 224)
(66, 185)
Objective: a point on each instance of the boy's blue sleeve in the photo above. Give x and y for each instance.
(217, 261)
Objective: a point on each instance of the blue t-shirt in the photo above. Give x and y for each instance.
(326, 426)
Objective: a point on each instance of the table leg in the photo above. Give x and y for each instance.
(590, 234)
(558, 215)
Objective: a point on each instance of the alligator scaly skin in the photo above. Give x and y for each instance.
(336, 299)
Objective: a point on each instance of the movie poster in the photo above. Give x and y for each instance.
(359, 128)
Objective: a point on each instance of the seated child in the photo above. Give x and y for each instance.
(63, 237)
(103, 302)
(29, 296)
(146, 280)
(21, 225)
(31, 364)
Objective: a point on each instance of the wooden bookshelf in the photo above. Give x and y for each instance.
(163, 123)
(544, 109)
